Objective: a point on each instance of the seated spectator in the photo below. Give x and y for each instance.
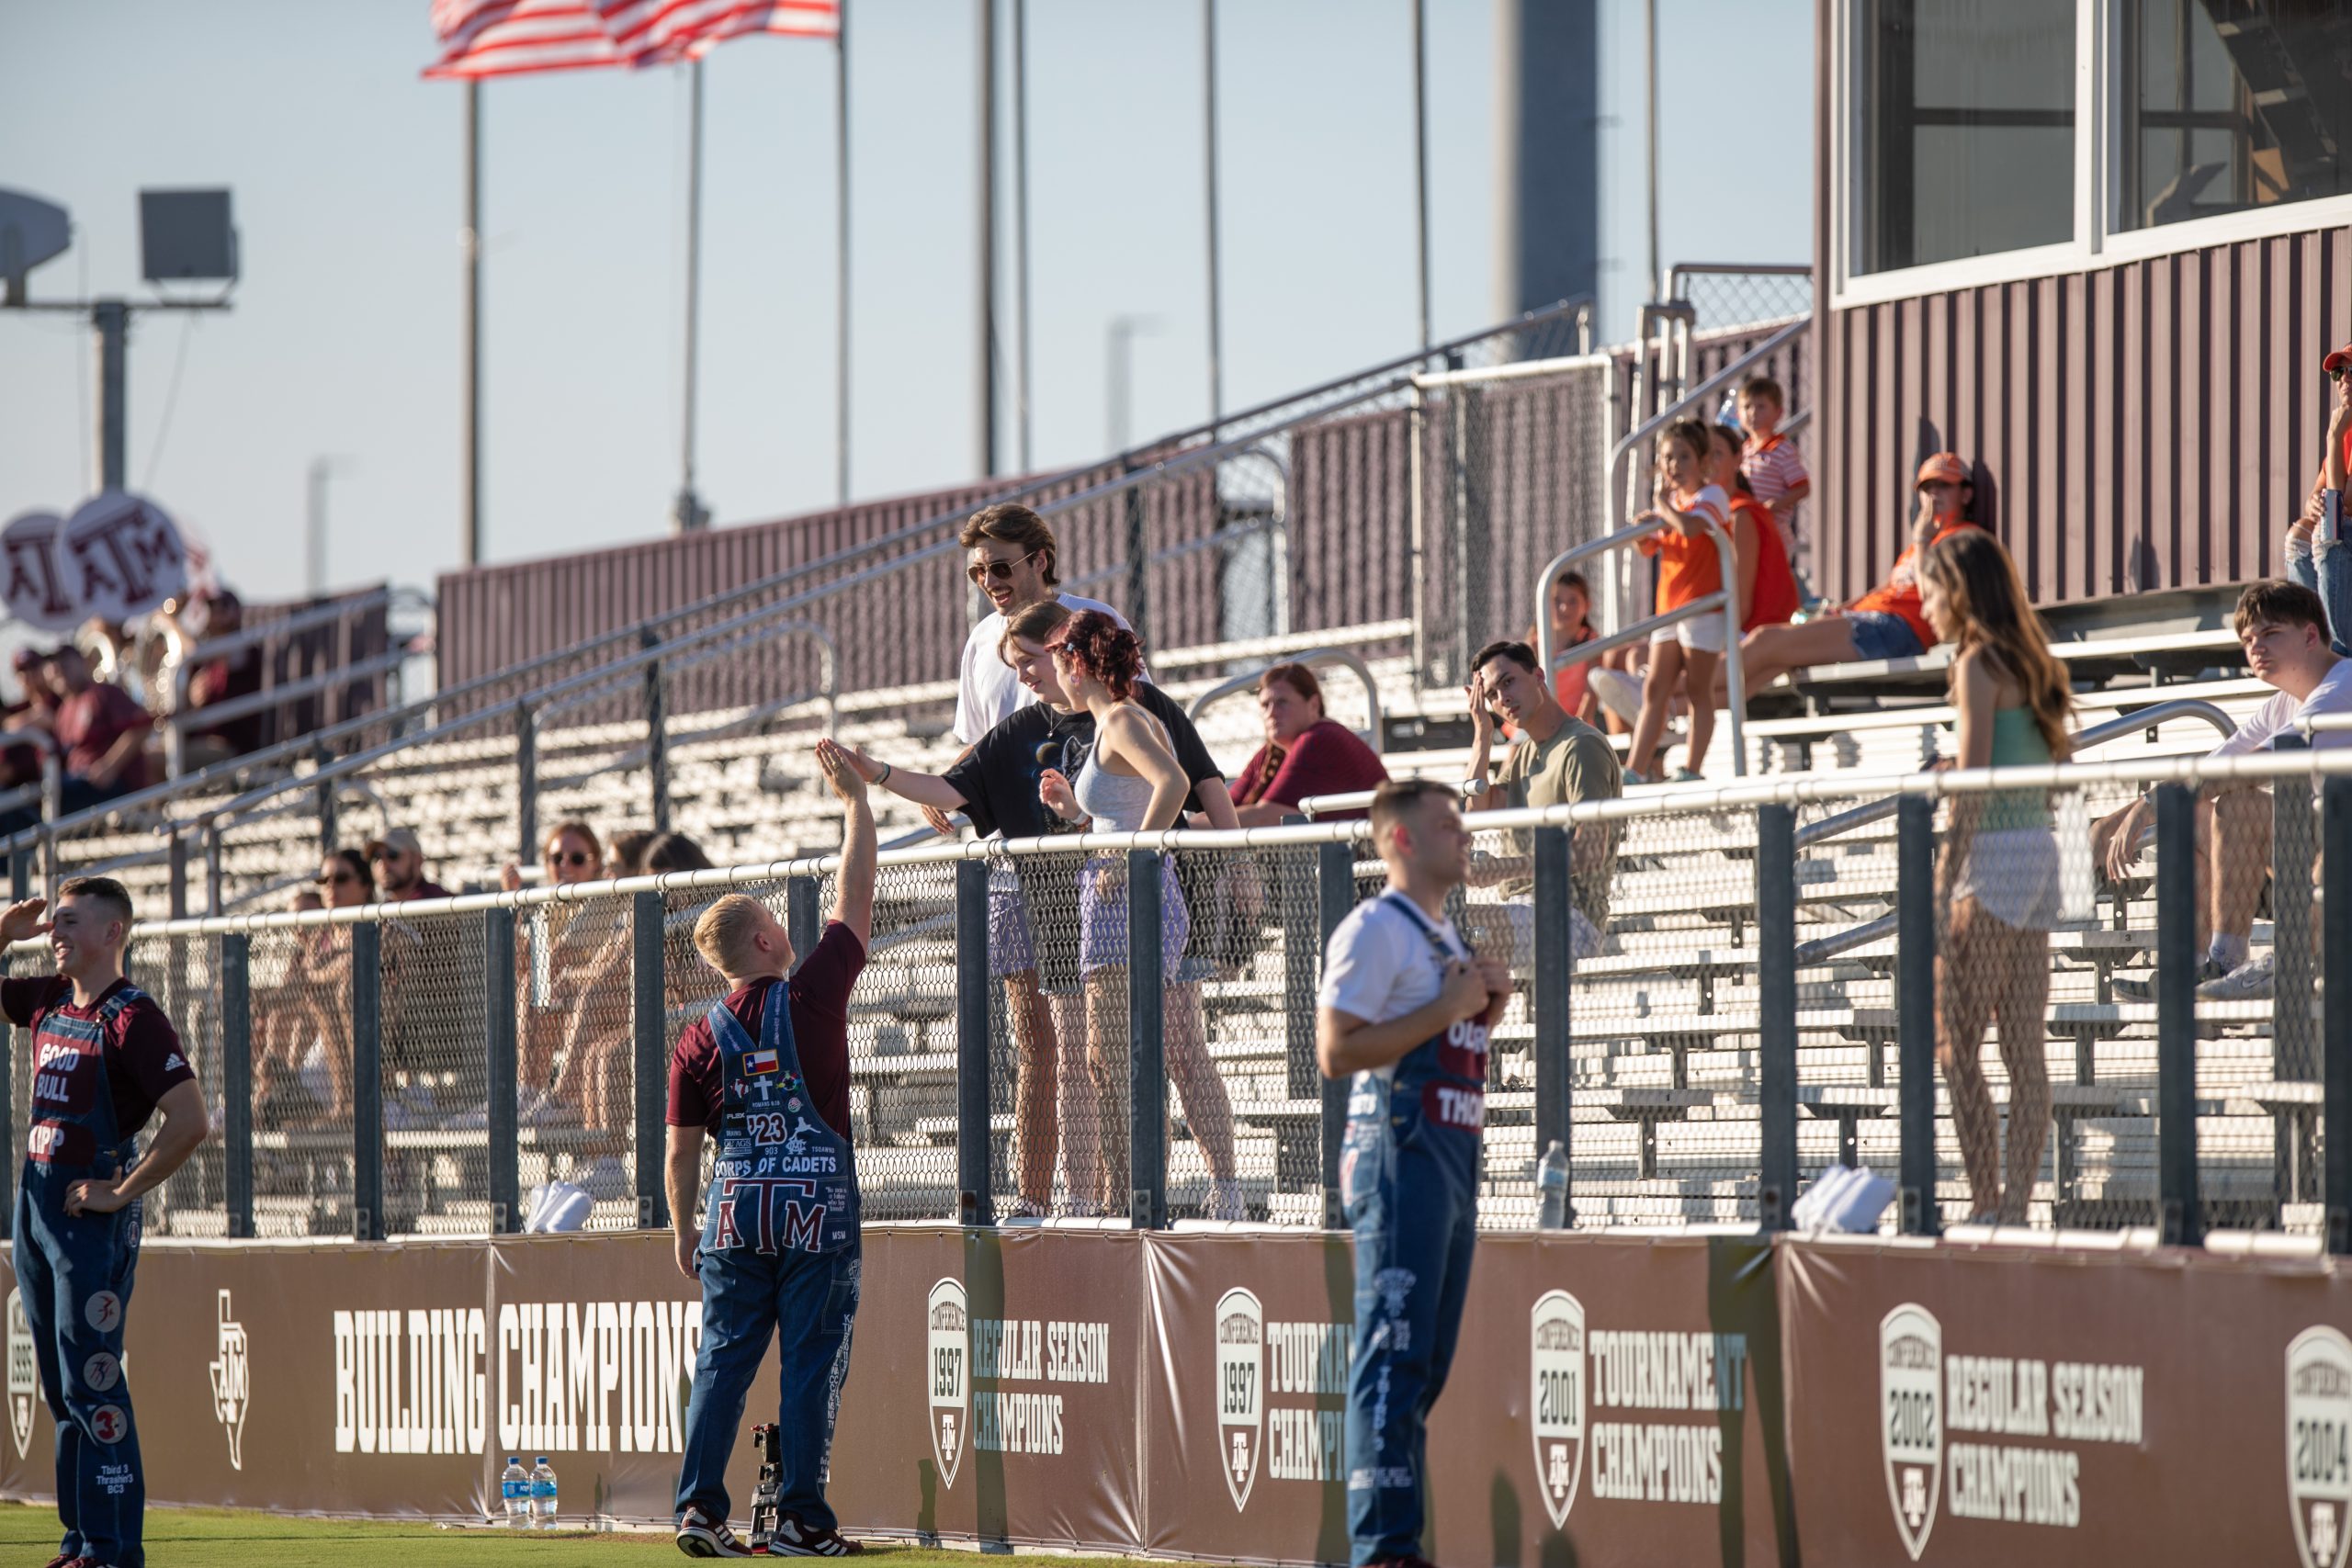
(1770, 461)
(303, 1025)
(1570, 606)
(20, 765)
(1557, 758)
(1305, 753)
(1885, 623)
(624, 850)
(222, 679)
(101, 730)
(2283, 628)
(399, 859)
(2322, 562)
(557, 949)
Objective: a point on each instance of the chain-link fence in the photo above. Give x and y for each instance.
(1727, 297)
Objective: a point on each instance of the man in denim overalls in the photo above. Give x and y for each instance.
(1403, 1010)
(767, 1072)
(105, 1059)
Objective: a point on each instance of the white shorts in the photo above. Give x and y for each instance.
(1704, 634)
(2014, 874)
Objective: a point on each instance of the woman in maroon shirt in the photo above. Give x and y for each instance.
(1305, 753)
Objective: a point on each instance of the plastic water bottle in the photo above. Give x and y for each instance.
(1551, 1183)
(542, 1495)
(514, 1488)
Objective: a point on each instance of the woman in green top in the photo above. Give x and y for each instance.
(1997, 872)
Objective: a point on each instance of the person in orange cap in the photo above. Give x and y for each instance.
(1885, 623)
(2316, 554)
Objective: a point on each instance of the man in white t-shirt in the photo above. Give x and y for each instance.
(1402, 1012)
(1009, 556)
(2283, 628)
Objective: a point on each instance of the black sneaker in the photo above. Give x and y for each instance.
(793, 1539)
(701, 1536)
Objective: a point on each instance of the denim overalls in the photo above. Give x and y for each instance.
(1408, 1174)
(74, 1275)
(779, 1251)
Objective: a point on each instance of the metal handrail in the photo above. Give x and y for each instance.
(1346, 658)
(1356, 800)
(1724, 600)
(1689, 400)
(2098, 733)
(182, 719)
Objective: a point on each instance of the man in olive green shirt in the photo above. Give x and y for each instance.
(1557, 759)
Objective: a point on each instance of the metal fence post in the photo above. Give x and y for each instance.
(2181, 1221)
(214, 889)
(1776, 1001)
(237, 1079)
(1335, 896)
(2335, 1059)
(649, 913)
(975, 1195)
(1915, 1013)
(1555, 958)
(368, 1082)
(328, 832)
(1138, 546)
(657, 725)
(801, 922)
(176, 857)
(2290, 913)
(527, 781)
(1296, 1142)
(21, 876)
(1147, 1055)
(499, 1070)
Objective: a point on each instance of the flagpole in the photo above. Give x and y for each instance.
(1021, 209)
(1422, 160)
(1208, 125)
(470, 243)
(985, 292)
(841, 250)
(688, 516)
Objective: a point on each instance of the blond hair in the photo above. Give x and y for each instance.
(724, 934)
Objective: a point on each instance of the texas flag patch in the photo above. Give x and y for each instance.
(758, 1061)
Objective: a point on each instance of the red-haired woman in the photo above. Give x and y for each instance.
(1130, 782)
(1305, 753)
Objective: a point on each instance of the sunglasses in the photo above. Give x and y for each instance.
(2339, 372)
(340, 879)
(567, 857)
(1000, 569)
(386, 854)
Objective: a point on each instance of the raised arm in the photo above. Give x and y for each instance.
(853, 897)
(923, 789)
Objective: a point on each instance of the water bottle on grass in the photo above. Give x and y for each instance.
(543, 1495)
(1552, 1184)
(515, 1490)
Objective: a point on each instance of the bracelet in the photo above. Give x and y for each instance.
(888, 769)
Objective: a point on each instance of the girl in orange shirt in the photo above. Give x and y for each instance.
(1684, 655)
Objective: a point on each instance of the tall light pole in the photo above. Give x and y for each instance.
(1422, 160)
(470, 416)
(1118, 342)
(689, 515)
(315, 525)
(1021, 212)
(1208, 128)
(984, 300)
(840, 251)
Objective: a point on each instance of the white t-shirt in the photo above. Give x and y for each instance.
(1379, 965)
(987, 691)
(2277, 717)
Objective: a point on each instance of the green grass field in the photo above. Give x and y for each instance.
(218, 1538)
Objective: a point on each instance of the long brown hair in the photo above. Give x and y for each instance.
(1971, 569)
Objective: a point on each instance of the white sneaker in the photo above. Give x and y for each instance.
(699, 1536)
(2252, 981)
(1619, 693)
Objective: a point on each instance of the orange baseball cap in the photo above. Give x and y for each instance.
(1945, 465)
(2337, 360)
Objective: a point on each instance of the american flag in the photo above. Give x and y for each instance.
(511, 38)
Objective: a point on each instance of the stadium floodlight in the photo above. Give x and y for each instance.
(31, 232)
(185, 236)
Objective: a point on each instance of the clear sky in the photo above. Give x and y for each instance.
(346, 169)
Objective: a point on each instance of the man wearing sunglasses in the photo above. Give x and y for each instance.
(1009, 554)
(2317, 555)
(399, 860)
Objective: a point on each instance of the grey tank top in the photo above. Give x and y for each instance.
(1118, 802)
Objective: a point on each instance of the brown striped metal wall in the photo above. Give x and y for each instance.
(2149, 425)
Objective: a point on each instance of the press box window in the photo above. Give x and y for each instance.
(2228, 105)
(1967, 128)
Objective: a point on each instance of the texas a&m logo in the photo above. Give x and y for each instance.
(2319, 1444)
(231, 1382)
(1557, 1399)
(1911, 1420)
(1240, 1388)
(949, 1323)
(23, 1374)
(772, 1214)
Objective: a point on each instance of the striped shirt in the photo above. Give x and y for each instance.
(1774, 466)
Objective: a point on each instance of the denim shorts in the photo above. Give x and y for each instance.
(1881, 635)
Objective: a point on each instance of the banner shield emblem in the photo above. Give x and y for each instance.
(1556, 1399)
(23, 1374)
(949, 1324)
(1911, 1420)
(2319, 1444)
(1240, 1381)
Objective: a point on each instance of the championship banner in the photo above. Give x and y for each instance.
(1611, 1401)
(1988, 1405)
